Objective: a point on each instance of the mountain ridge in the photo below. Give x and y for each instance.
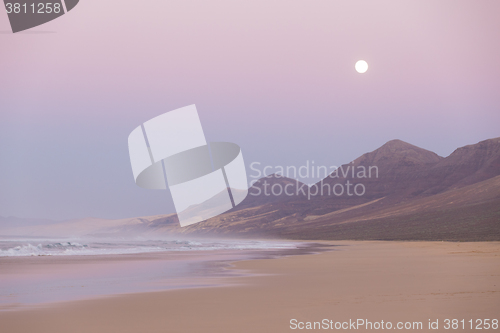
(417, 195)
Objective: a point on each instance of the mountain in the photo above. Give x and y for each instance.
(402, 169)
(406, 171)
(471, 213)
(413, 194)
(395, 171)
(466, 165)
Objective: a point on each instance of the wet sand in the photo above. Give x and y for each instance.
(374, 281)
(31, 281)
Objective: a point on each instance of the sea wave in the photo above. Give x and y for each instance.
(72, 248)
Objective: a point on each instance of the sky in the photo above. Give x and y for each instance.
(275, 77)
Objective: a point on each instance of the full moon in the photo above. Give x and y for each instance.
(361, 66)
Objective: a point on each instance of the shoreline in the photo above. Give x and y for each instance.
(179, 270)
(375, 280)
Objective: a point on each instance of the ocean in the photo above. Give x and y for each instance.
(40, 271)
(84, 247)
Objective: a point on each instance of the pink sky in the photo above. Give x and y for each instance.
(276, 77)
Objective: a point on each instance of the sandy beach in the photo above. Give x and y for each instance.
(397, 282)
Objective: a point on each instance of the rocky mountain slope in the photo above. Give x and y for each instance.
(442, 198)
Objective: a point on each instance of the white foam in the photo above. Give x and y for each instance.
(71, 248)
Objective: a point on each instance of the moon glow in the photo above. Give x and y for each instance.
(361, 66)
